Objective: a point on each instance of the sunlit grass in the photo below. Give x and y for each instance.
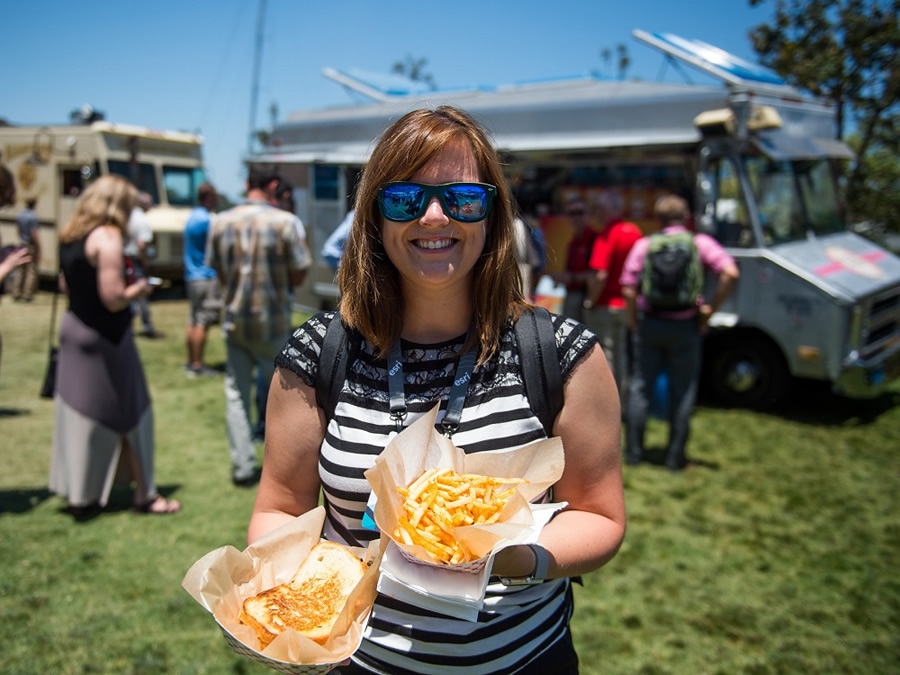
(775, 554)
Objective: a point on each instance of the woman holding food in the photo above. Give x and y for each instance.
(104, 417)
(430, 274)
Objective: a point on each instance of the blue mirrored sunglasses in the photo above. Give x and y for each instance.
(465, 202)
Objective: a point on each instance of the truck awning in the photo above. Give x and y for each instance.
(328, 156)
(516, 143)
(782, 146)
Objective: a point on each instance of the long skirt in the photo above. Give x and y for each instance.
(101, 397)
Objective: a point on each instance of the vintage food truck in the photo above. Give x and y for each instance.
(755, 158)
(53, 164)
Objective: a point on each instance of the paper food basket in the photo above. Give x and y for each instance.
(420, 447)
(223, 578)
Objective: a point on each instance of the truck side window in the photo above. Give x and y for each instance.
(72, 183)
(774, 186)
(732, 225)
(326, 182)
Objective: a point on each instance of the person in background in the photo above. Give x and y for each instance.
(539, 245)
(281, 195)
(284, 197)
(604, 304)
(271, 185)
(527, 256)
(203, 289)
(139, 236)
(104, 416)
(334, 246)
(7, 186)
(259, 256)
(26, 278)
(578, 254)
(669, 340)
(11, 258)
(429, 274)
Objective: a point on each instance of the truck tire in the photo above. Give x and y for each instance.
(746, 370)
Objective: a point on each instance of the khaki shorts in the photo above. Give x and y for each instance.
(205, 296)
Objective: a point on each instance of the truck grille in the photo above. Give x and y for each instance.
(880, 328)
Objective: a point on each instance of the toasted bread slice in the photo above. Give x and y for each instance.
(311, 601)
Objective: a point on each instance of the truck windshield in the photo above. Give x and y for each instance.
(181, 184)
(141, 174)
(794, 198)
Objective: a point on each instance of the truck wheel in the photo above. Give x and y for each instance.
(745, 371)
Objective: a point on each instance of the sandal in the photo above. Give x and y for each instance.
(158, 505)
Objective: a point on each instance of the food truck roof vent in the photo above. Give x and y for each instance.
(719, 122)
(723, 121)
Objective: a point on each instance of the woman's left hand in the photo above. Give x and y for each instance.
(588, 532)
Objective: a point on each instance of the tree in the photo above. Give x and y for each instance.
(414, 69)
(848, 52)
(622, 63)
(877, 194)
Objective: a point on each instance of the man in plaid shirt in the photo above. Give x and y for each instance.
(259, 253)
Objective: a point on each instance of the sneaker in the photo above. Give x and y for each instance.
(247, 482)
(150, 333)
(200, 371)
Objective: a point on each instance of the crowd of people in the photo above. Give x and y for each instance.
(434, 271)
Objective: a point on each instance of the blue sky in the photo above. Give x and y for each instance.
(188, 64)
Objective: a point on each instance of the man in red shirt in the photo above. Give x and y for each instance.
(604, 306)
(577, 272)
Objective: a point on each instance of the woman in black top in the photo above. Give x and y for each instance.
(104, 416)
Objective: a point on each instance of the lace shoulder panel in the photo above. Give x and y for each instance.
(573, 341)
(300, 353)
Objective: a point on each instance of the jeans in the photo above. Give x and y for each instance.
(609, 324)
(26, 279)
(241, 356)
(141, 305)
(673, 345)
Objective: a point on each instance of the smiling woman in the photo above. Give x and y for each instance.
(430, 285)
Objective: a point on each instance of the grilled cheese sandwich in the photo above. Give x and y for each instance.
(311, 601)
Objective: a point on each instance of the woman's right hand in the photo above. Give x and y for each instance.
(140, 289)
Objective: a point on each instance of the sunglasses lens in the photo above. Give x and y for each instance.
(402, 203)
(467, 203)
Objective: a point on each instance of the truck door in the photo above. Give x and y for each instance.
(71, 181)
(743, 364)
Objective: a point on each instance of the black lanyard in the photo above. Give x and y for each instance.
(457, 399)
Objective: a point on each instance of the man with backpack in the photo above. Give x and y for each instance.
(662, 283)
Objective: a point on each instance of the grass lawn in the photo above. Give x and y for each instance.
(776, 553)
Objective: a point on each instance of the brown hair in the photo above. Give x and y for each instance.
(108, 201)
(671, 209)
(7, 187)
(371, 296)
(205, 191)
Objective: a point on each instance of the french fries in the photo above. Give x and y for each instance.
(441, 500)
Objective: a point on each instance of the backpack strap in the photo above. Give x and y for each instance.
(339, 348)
(536, 340)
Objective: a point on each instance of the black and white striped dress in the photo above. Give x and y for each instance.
(517, 624)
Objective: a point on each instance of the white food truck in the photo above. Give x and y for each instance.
(755, 158)
(53, 164)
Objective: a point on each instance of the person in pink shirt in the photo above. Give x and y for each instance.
(669, 340)
(604, 305)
